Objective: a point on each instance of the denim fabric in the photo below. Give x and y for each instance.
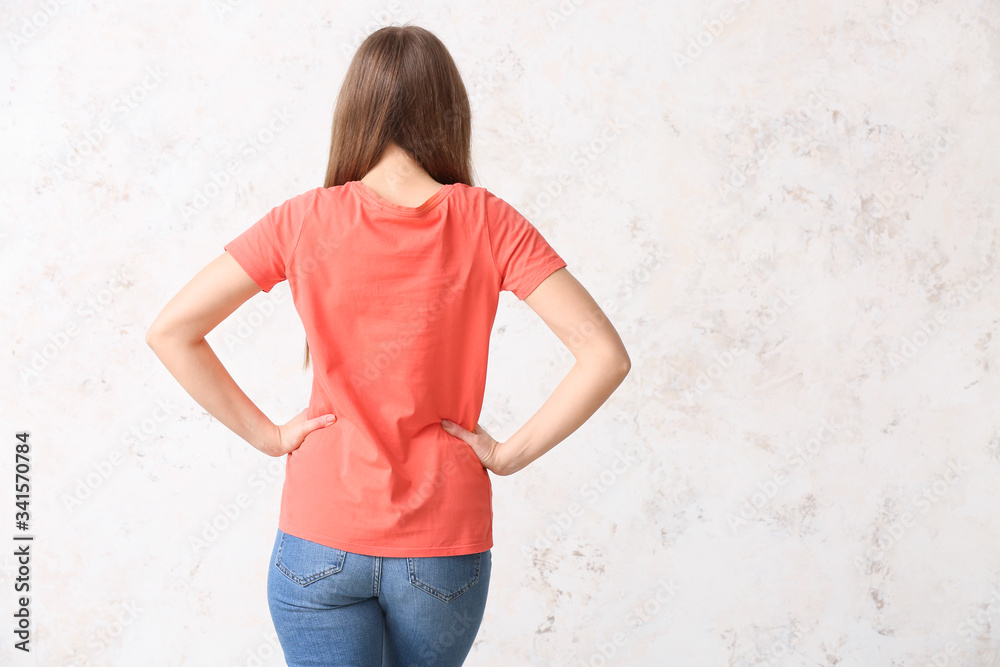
(333, 607)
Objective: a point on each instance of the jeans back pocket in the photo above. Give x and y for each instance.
(304, 561)
(445, 577)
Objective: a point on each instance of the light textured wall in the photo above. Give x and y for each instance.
(787, 208)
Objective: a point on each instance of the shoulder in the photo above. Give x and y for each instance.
(320, 197)
(482, 199)
(498, 210)
(472, 191)
(302, 199)
(327, 194)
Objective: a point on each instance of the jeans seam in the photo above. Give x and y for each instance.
(416, 583)
(305, 581)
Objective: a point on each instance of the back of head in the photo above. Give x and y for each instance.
(402, 86)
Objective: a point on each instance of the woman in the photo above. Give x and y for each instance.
(383, 549)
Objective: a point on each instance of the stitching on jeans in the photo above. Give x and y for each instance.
(305, 581)
(411, 566)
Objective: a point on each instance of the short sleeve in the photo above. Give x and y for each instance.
(522, 256)
(265, 249)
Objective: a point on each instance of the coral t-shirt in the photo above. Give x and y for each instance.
(397, 304)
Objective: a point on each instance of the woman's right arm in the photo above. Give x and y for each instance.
(601, 365)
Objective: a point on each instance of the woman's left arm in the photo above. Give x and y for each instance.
(177, 337)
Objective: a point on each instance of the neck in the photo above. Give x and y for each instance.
(398, 176)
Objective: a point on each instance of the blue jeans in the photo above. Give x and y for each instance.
(333, 607)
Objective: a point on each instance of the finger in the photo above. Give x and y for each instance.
(477, 448)
(462, 434)
(454, 429)
(308, 426)
(320, 422)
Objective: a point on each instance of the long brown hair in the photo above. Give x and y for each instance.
(402, 86)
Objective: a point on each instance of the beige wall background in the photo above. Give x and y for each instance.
(789, 209)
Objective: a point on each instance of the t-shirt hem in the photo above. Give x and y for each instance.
(248, 266)
(396, 552)
(538, 276)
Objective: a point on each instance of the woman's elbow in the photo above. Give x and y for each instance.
(626, 364)
(152, 336)
(613, 360)
(157, 333)
(622, 364)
